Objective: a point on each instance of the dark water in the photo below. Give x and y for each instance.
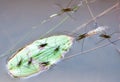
(17, 17)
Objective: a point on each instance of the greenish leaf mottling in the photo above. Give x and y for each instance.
(39, 56)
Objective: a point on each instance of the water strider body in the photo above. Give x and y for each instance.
(105, 36)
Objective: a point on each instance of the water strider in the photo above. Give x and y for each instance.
(105, 36)
(66, 10)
